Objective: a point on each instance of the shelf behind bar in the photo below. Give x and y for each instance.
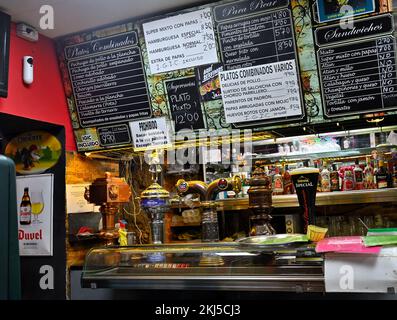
(359, 152)
(322, 199)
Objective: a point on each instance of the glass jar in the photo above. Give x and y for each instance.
(209, 224)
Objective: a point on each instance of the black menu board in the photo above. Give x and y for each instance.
(261, 38)
(184, 103)
(114, 135)
(358, 77)
(254, 33)
(108, 80)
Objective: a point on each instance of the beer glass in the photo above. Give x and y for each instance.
(37, 201)
(305, 182)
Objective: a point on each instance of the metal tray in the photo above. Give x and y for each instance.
(271, 242)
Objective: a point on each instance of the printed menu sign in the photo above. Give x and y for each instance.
(262, 38)
(359, 77)
(150, 134)
(108, 80)
(35, 215)
(208, 81)
(268, 92)
(182, 41)
(184, 103)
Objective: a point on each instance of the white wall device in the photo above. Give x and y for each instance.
(28, 69)
(27, 32)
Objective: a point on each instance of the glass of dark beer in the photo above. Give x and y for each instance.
(305, 182)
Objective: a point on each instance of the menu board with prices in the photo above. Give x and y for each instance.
(359, 77)
(108, 81)
(269, 92)
(357, 67)
(114, 135)
(179, 42)
(261, 38)
(184, 103)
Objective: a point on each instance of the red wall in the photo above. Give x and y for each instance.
(44, 99)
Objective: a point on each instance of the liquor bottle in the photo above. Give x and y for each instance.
(287, 181)
(325, 178)
(25, 210)
(376, 168)
(278, 187)
(389, 170)
(358, 177)
(381, 176)
(369, 175)
(334, 178)
(348, 182)
(316, 165)
(394, 175)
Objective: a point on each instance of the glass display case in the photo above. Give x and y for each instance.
(209, 266)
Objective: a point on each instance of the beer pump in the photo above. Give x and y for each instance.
(155, 201)
(208, 193)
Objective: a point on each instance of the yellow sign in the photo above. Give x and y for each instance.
(34, 152)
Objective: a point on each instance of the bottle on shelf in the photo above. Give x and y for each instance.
(348, 181)
(369, 174)
(376, 168)
(287, 181)
(325, 178)
(394, 175)
(358, 176)
(381, 176)
(278, 187)
(389, 175)
(25, 210)
(317, 166)
(334, 178)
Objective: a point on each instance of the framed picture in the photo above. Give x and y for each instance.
(5, 23)
(35, 196)
(330, 10)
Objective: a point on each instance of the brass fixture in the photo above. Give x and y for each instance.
(108, 193)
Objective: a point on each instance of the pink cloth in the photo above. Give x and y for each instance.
(351, 244)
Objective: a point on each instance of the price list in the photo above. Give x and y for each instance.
(184, 103)
(260, 39)
(181, 41)
(108, 85)
(269, 92)
(359, 77)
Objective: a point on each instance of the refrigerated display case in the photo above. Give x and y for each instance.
(211, 266)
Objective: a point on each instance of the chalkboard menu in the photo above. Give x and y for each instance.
(184, 103)
(108, 81)
(358, 77)
(114, 135)
(261, 83)
(263, 37)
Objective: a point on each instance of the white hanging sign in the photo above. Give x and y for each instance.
(266, 92)
(150, 134)
(181, 41)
